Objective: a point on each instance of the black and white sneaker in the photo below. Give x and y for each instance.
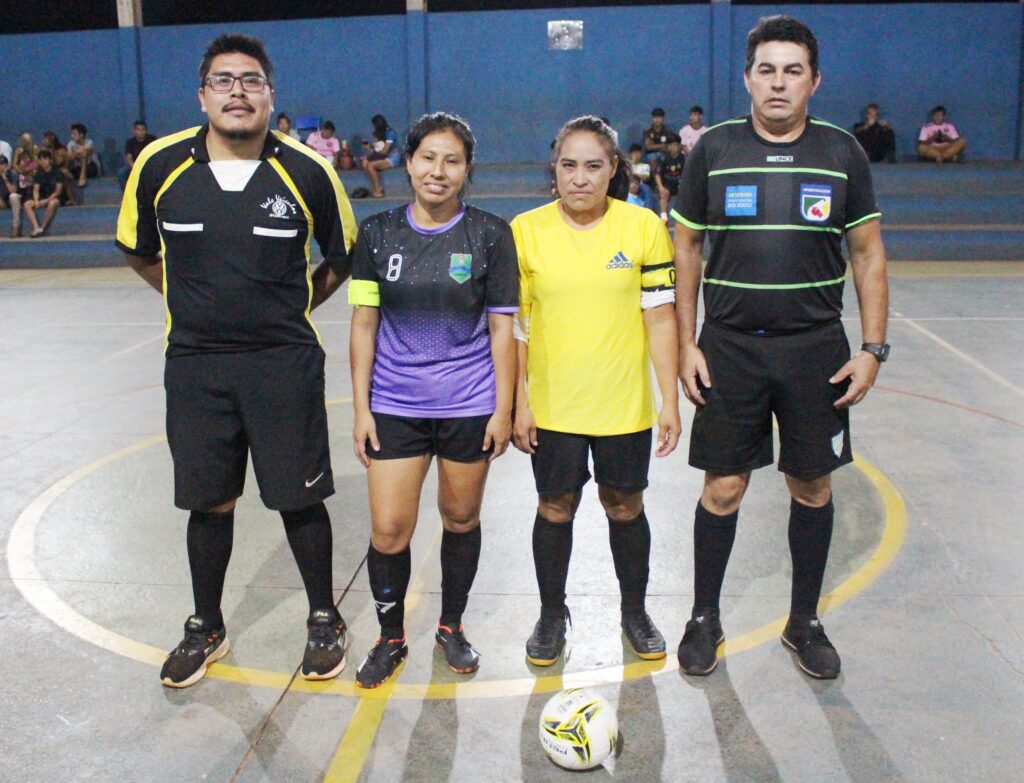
(548, 639)
(458, 652)
(698, 651)
(186, 664)
(326, 643)
(643, 635)
(381, 662)
(814, 652)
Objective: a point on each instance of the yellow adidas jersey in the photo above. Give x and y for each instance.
(588, 370)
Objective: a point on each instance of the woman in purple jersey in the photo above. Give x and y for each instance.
(435, 287)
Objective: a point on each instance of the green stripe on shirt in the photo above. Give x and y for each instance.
(864, 219)
(773, 286)
(826, 229)
(688, 223)
(767, 170)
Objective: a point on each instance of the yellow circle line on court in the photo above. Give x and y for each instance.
(35, 589)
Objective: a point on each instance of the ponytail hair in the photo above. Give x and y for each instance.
(619, 185)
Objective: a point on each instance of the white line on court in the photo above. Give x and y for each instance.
(965, 357)
(130, 349)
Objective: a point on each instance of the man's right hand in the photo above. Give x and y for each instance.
(693, 365)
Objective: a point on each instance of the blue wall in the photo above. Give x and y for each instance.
(495, 69)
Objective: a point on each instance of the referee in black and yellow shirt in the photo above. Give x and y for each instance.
(219, 218)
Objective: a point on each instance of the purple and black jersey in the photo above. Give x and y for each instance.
(435, 288)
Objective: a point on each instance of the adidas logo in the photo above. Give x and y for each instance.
(619, 262)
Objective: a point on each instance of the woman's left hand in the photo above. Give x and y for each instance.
(498, 434)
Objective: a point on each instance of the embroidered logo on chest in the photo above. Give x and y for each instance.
(815, 202)
(279, 207)
(460, 269)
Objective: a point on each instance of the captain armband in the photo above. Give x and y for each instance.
(364, 293)
(657, 285)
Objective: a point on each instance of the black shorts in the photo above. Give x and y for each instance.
(755, 376)
(671, 185)
(270, 401)
(620, 461)
(459, 439)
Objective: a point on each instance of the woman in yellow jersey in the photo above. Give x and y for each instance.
(596, 309)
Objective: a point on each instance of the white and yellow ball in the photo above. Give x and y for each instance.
(578, 729)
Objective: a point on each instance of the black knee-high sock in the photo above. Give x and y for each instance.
(209, 539)
(631, 552)
(460, 554)
(310, 538)
(810, 534)
(389, 581)
(713, 536)
(552, 548)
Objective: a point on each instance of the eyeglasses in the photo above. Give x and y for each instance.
(223, 82)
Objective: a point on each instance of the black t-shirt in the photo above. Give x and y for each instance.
(671, 169)
(48, 181)
(776, 214)
(654, 135)
(133, 146)
(236, 263)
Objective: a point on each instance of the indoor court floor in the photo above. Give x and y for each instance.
(925, 586)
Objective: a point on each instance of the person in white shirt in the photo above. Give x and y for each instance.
(691, 132)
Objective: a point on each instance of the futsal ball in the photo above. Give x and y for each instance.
(578, 729)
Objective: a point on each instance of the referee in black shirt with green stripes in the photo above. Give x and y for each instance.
(219, 218)
(776, 191)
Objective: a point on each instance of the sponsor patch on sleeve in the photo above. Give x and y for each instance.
(741, 200)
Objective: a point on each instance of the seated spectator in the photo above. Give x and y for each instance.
(691, 132)
(669, 172)
(45, 194)
(25, 164)
(939, 140)
(60, 162)
(284, 124)
(876, 136)
(384, 153)
(636, 162)
(83, 162)
(656, 136)
(325, 142)
(640, 194)
(140, 138)
(9, 195)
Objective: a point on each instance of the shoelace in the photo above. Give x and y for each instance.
(644, 624)
(195, 641)
(322, 635)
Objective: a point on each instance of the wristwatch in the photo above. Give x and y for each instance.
(879, 350)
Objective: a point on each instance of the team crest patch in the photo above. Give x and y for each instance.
(461, 267)
(815, 202)
(279, 206)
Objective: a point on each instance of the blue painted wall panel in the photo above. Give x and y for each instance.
(495, 69)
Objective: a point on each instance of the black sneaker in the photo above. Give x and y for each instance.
(326, 642)
(461, 657)
(698, 651)
(547, 640)
(381, 662)
(186, 664)
(814, 652)
(647, 641)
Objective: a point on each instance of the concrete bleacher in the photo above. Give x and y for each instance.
(971, 211)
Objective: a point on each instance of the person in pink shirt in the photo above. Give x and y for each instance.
(325, 142)
(691, 132)
(939, 140)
